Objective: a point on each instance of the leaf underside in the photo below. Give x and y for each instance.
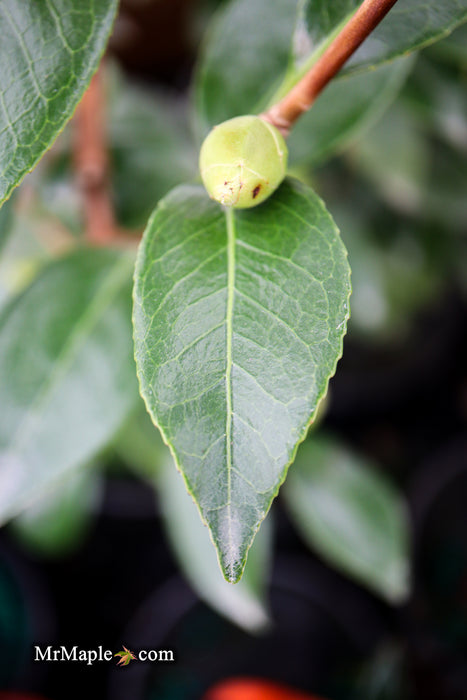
(238, 318)
(49, 51)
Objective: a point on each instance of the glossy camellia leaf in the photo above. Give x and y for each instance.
(351, 515)
(268, 59)
(66, 372)
(348, 106)
(293, 35)
(245, 603)
(144, 452)
(409, 25)
(239, 318)
(49, 51)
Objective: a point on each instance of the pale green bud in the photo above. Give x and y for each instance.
(242, 161)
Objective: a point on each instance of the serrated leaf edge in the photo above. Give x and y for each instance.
(235, 578)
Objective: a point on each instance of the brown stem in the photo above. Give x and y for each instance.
(92, 164)
(303, 94)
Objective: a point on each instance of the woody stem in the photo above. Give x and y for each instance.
(300, 98)
(91, 161)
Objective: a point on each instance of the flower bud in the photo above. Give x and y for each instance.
(242, 161)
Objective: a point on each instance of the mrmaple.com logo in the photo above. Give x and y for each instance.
(90, 656)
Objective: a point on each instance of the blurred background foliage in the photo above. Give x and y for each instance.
(357, 586)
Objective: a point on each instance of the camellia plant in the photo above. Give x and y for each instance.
(241, 285)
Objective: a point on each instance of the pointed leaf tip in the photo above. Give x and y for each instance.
(238, 325)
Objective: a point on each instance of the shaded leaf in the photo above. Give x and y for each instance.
(66, 372)
(265, 62)
(240, 66)
(424, 177)
(140, 446)
(396, 269)
(346, 108)
(293, 35)
(30, 240)
(394, 156)
(151, 149)
(435, 98)
(59, 521)
(409, 26)
(243, 604)
(239, 318)
(351, 515)
(48, 54)
(6, 215)
(454, 49)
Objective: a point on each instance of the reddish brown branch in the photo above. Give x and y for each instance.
(303, 94)
(91, 163)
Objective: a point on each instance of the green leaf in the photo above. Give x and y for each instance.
(409, 26)
(140, 446)
(151, 149)
(423, 177)
(243, 604)
(239, 318)
(26, 249)
(453, 51)
(240, 65)
(293, 35)
(6, 216)
(396, 269)
(351, 515)
(265, 60)
(354, 103)
(49, 51)
(438, 100)
(66, 372)
(394, 157)
(59, 521)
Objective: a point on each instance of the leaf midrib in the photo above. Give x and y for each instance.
(231, 239)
